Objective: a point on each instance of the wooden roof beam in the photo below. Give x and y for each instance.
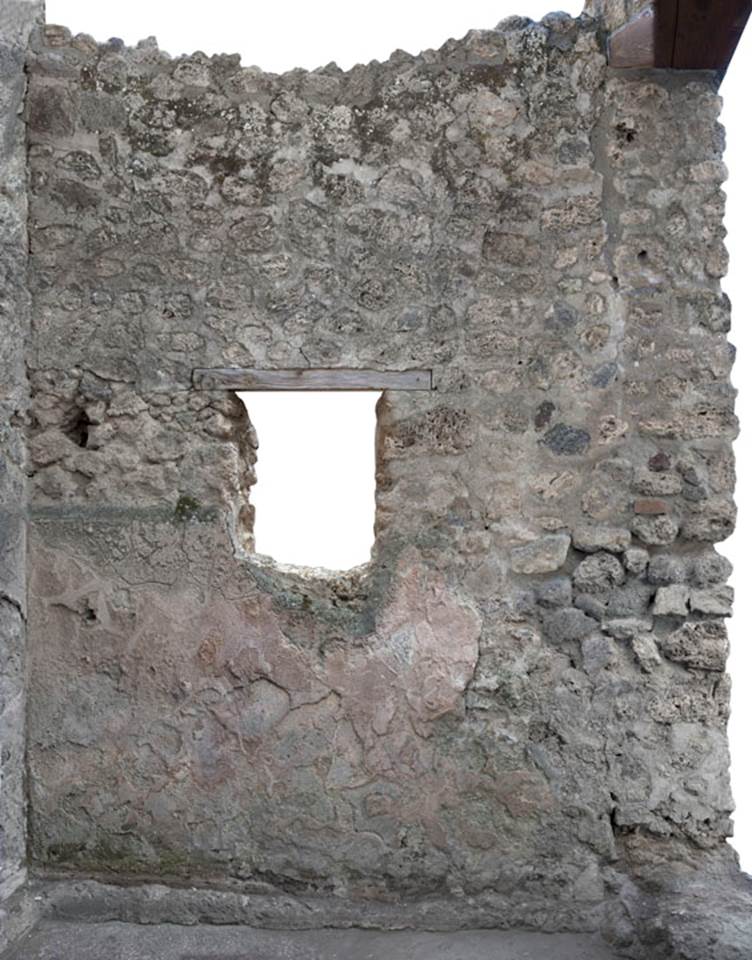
(681, 35)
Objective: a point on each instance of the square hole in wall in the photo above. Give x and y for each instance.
(314, 497)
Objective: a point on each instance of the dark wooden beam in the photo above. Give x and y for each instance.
(681, 35)
(244, 378)
(699, 34)
(666, 21)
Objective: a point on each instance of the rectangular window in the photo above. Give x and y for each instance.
(315, 488)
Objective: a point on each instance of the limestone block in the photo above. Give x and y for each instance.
(636, 560)
(671, 601)
(541, 556)
(701, 646)
(716, 601)
(665, 568)
(646, 651)
(659, 530)
(711, 568)
(591, 539)
(597, 573)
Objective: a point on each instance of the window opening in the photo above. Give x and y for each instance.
(314, 498)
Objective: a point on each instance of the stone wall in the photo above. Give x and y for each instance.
(520, 703)
(18, 17)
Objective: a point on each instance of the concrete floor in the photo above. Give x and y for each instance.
(123, 941)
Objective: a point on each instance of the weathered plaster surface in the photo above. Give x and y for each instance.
(515, 714)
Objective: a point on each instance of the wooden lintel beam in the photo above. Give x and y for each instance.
(244, 378)
(705, 33)
(666, 20)
(681, 35)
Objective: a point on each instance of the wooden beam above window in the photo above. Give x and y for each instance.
(307, 378)
(681, 35)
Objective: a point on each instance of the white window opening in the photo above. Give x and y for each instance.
(316, 476)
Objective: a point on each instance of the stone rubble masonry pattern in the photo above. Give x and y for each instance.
(515, 715)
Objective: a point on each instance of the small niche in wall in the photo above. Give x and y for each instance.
(314, 497)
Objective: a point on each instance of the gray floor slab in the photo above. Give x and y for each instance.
(123, 941)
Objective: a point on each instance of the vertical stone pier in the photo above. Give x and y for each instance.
(18, 18)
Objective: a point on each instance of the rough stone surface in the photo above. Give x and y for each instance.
(703, 645)
(20, 911)
(127, 941)
(646, 650)
(591, 539)
(672, 601)
(636, 560)
(655, 530)
(717, 601)
(710, 569)
(17, 18)
(597, 573)
(541, 556)
(664, 569)
(556, 592)
(450, 733)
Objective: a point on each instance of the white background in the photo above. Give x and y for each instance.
(280, 36)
